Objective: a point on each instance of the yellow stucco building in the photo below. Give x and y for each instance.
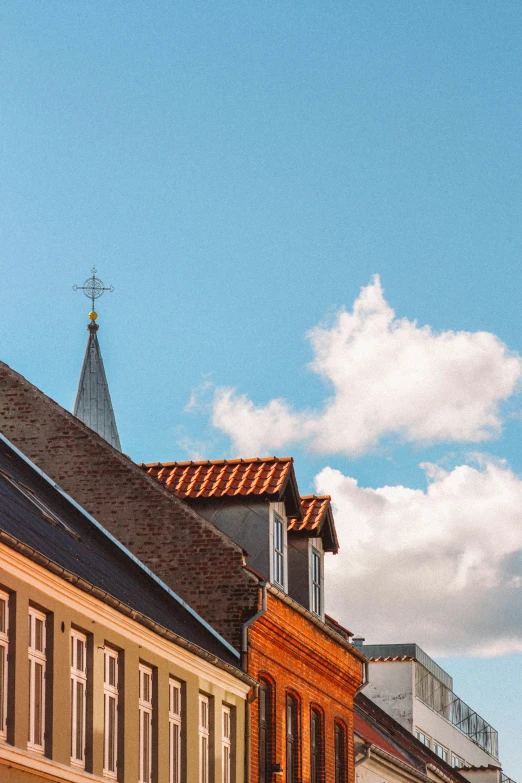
(105, 674)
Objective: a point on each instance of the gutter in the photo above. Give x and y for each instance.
(120, 546)
(244, 661)
(128, 611)
(371, 749)
(366, 679)
(367, 747)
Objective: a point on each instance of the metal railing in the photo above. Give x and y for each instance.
(442, 700)
(504, 779)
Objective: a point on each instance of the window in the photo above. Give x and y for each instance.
(37, 664)
(440, 751)
(78, 697)
(340, 753)
(226, 742)
(279, 550)
(291, 740)
(174, 731)
(316, 582)
(110, 712)
(4, 649)
(423, 738)
(316, 747)
(47, 513)
(145, 724)
(456, 761)
(265, 732)
(204, 738)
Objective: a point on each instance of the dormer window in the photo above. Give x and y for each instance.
(279, 551)
(316, 582)
(278, 536)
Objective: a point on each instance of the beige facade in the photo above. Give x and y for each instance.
(72, 612)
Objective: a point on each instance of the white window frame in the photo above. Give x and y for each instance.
(37, 658)
(227, 748)
(145, 710)
(175, 729)
(441, 751)
(204, 738)
(4, 657)
(457, 761)
(110, 712)
(316, 588)
(424, 738)
(78, 697)
(278, 545)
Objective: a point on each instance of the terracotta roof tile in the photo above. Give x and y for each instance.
(395, 659)
(314, 510)
(266, 476)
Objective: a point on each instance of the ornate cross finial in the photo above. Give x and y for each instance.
(93, 288)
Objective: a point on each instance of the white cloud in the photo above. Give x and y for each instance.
(441, 567)
(389, 377)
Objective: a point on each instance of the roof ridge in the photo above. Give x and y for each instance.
(235, 461)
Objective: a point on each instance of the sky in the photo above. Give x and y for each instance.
(310, 214)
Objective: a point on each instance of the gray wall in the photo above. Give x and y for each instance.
(298, 569)
(248, 524)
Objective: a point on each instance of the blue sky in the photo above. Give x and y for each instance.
(239, 172)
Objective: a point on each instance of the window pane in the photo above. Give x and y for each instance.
(146, 747)
(3, 616)
(38, 703)
(2, 688)
(38, 634)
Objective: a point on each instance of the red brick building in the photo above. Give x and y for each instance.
(246, 553)
(302, 724)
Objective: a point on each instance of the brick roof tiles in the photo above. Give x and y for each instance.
(314, 510)
(224, 477)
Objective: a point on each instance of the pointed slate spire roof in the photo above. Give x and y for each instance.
(93, 403)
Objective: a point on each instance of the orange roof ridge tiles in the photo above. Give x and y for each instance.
(237, 460)
(395, 659)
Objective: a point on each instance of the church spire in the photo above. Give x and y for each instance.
(93, 403)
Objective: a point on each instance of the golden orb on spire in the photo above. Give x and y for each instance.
(93, 316)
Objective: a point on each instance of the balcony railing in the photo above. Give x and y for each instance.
(441, 699)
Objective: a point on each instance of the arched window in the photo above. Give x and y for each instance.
(340, 753)
(266, 700)
(316, 746)
(292, 739)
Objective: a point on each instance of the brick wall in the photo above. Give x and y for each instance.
(303, 660)
(199, 562)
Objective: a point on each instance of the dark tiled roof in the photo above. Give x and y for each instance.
(269, 477)
(56, 529)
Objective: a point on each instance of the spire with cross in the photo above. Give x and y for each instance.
(93, 403)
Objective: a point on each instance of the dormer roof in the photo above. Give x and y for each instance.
(263, 477)
(317, 521)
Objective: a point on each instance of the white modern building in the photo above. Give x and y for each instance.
(408, 685)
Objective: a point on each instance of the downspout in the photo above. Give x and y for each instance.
(244, 663)
(367, 747)
(365, 678)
